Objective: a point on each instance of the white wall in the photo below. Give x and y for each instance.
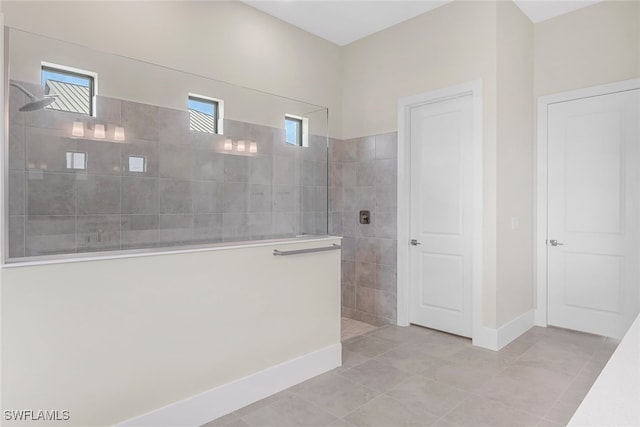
(452, 44)
(109, 340)
(132, 80)
(515, 159)
(595, 45)
(224, 40)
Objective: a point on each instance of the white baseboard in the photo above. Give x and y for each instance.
(486, 338)
(540, 318)
(222, 400)
(513, 329)
(495, 339)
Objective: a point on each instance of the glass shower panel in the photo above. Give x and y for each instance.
(145, 171)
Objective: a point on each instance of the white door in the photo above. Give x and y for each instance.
(441, 215)
(593, 215)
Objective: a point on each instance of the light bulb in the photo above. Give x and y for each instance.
(241, 146)
(253, 147)
(228, 144)
(78, 129)
(118, 134)
(99, 132)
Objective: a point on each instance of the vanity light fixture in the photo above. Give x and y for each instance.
(78, 129)
(99, 132)
(253, 147)
(241, 146)
(228, 144)
(118, 133)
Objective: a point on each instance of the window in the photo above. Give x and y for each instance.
(74, 89)
(137, 164)
(205, 114)
(293, 130)
(296, 130)
(76, 160)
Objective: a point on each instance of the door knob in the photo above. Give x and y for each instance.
(414, 242)
(554, 243)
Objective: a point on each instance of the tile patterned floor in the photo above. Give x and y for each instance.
(394, 377)
(352, 328)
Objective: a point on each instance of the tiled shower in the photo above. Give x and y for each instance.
(194, 187)
(362, 176)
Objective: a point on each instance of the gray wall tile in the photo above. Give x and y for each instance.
(47, 234)
(109, 110)
(386, 199)
(236, 168)
(366, 250)
(98, 195)
(385, 173)
(349, 245)
(175, 228)
(260, 199)
(260, 225)
(335, 224)
(235, 197)
(365, 300)
(349, 174)
(53, 120)
(140, 120)
(175, 197)
(387, 145)
(386, 279)
(98, 232)
(188, 184)
(284, 170)
(366, 274)
(366, 174)
(386, 304)
(47, 151)
(366, 148)
(103, 157)
(386, 225)
(173, 127)
(349, 296)
(16, 100)
(349, 273)
(285, 198)
(207, 227)
(139, 195)
(207, 197)
(175, 161)
(284, 224)
(387, 252)
(139, 231)
(16, 236)
(17, 147)
(235, 226)
(347, 151)
(51, 194)
(363, 176)
(261, 170)
(17, 187)
(208, 165)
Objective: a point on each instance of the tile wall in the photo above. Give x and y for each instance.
(363, 176)
(191, 192)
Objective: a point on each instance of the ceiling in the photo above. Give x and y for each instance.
(345, 21)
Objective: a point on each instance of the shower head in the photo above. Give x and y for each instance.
(34, 103)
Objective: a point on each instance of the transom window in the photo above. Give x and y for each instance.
(293, 130)
(74, 90)
(204, 114)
